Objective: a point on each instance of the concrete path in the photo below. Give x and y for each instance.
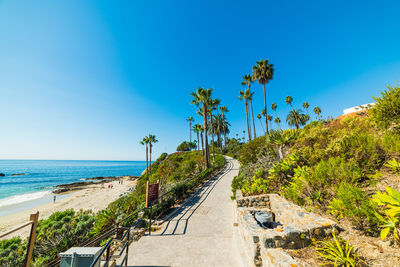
(199, 233)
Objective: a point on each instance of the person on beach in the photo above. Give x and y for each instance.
(54, 199)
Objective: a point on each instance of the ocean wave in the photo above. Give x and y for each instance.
(22, 198)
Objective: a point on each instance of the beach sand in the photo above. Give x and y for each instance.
(93, 197)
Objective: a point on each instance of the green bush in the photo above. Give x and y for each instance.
(386, 111)
(186, 146)
(12, 252)
(353, 203)
(249, 151)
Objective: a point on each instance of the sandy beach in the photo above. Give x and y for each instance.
(94, 197)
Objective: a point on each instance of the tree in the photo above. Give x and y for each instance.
(263, 72)
(274, 106)
(245, 95)
(145, 142)
(317, 111)
(152, 140)
(190, 120)
(259, 117)
(247, 80)
(306, 106)
(224, 110)
(197, 129)
(217, 102)
(297, 118)
(386, 111)
(289, 101)
(220, 125)
(269, 118)
(186, 146)
(278, 121)
(202, 97)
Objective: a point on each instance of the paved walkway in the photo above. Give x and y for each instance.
(200, 232)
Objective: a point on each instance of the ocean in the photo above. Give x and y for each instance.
(41, 175)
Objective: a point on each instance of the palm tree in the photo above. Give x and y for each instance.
(274, 106)
(263, 72)
(278, 121)
(145, 142)
(190, 120)
(220, 125)
(259, 117)
(202, 97)
(269, 118)
(296, 118)
(317, 111)
(247, 80)
(217, 102)
(197, 129)
(211, 129)
(245, 96)
(224, 110)
(306, 106)
(152, 140)
(289, 101)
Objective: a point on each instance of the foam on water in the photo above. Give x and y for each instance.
(22, 198)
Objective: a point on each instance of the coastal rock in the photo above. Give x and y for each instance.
(18, 174)
(2, 174)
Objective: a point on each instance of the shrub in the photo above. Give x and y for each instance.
(337, 252)
(389, 201)
(353, 203)
(394, 165)
(249, 151)
(12, 252)
(186, 146)
(386, 111)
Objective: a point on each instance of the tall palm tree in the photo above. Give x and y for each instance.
(278, 121)
(317, 111)
(224, 110)
(245, 96)
(152, 140)
(289, 101)
(259, 116)
(190, 120)
(274, 106)
(202, 97)
(197, 129)
(145, 142)
(247, 80)
(296, 118)
(210, 128)
(306, 106)
(263, 72)
(269, 118)
(217, 102)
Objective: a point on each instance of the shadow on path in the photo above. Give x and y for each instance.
(183, 213)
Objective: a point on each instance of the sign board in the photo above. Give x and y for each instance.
(151, 193)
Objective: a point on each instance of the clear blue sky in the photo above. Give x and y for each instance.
(88, 79)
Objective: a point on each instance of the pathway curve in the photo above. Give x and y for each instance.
(199, 233)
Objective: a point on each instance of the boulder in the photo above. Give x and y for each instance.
(2, 174)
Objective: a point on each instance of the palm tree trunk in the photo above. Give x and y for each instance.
(265, 107)
(198, 142)
(202, 143)
(147, 162)
(218, 132)
(190, 130)
(223, 118)
(262, 126)
(205, 134)
(212, 135)
(252, 116)
(247, 119)
(151, 148)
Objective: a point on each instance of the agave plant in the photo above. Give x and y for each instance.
(337, 252)
(394, 165)
(390, 201)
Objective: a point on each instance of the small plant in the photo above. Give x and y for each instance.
(390, 220)
(394, 165)
(337, 252)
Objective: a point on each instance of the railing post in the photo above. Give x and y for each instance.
(34, 218)
(127, 247)
(151, 211)
(107, 255)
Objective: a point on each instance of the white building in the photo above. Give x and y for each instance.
(358, 108)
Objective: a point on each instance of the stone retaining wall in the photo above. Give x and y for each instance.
(296, 230)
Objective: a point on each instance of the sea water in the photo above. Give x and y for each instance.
(39, 176)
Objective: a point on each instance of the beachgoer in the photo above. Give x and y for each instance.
(54, 199)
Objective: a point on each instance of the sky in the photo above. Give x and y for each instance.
(87, 80)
